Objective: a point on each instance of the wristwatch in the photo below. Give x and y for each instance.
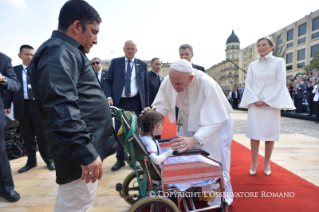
(4, 79)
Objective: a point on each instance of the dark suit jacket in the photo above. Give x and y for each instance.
(17, 97)
(12, 85)
(115, 80)
(154, 84)
(103, 77)
(233, 95)
(201, 68)
(300, 91)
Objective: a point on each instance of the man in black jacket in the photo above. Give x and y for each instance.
(25, 111)
(154, 78)
(8, 82)
(72, 106)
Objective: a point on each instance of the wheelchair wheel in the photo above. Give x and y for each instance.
(130, 186)
(154, 204)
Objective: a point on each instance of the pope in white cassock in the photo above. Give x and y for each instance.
(204, 114)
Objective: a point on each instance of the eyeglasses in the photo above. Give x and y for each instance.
(97, 63)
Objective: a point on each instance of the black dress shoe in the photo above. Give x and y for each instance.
(51, 166)
(118, 165)
(12, 196)
(26, 168)
(138, 166)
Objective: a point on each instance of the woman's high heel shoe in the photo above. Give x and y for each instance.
(253, 172)
(267, 173)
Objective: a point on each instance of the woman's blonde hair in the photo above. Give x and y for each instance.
(270, 41)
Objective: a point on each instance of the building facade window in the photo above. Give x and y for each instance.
(289, 68)
(250, 56)
(245, 52)
(302, 29)
(289, 45)
(314, 50)
(235, 56)
(230, 56)
(250, 50)
(315, 35)
(315, 24)
(301, 40)
(301, 54)
(290, 35)
(300, 65)
(289, 58)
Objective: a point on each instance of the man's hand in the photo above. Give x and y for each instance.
(258, 104)
(1, 77)
(110, 101)
(7, 111)
(93, 171)
(184, 143)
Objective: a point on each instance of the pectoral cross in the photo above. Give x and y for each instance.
(179, 123)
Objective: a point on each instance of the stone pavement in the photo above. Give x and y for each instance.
(297, 151)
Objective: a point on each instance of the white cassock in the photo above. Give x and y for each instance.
(204, 113)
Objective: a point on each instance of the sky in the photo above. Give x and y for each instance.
(158, 27)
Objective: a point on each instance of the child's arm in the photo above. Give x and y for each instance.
(158, 159)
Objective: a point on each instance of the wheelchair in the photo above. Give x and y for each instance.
(144, 189)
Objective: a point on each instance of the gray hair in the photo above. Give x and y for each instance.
(186, 46)
(95, 58)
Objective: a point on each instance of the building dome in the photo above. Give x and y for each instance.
(232, 38)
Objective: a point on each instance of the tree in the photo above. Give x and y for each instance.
(314, 64)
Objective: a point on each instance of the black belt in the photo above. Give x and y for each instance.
(29, 102)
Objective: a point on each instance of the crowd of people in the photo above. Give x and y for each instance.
(62, 99)
(303, 90)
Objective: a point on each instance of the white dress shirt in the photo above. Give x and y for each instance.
(25, 82)
(134, 88)
(99, 74)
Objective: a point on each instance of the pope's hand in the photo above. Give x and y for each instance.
(184, 143)
(258, 104)
(147, 109)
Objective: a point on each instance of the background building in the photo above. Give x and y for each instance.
(297, 43)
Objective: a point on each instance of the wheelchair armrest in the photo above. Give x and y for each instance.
(165, 140)
(190, 152)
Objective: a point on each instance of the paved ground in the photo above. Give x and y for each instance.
(297, 151)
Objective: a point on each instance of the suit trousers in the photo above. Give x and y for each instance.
(235, 103)
(317, 110)
(130, 104)
(31, 126)
(6, 181)
(310, 104)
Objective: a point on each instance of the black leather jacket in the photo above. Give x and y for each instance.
(71, 105)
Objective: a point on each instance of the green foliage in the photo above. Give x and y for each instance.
(314, 63)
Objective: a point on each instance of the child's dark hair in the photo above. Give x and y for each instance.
(148, 121)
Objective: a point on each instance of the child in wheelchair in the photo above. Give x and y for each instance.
(151, 123)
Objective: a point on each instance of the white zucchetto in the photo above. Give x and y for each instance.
(183, 66)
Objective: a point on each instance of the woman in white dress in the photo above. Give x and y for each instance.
(265, 95)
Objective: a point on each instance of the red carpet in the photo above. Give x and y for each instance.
(261, 193)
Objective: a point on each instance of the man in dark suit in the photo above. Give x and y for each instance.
(25, 111)
(234, 97)
(126, 86)
(154, 78)
(300, 88)
(186, 52)
(100, 73)
(310, 95)
(9, 82)
(72, 106)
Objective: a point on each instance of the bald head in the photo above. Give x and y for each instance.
(129, 49)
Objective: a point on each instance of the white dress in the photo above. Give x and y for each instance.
(266, 81)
